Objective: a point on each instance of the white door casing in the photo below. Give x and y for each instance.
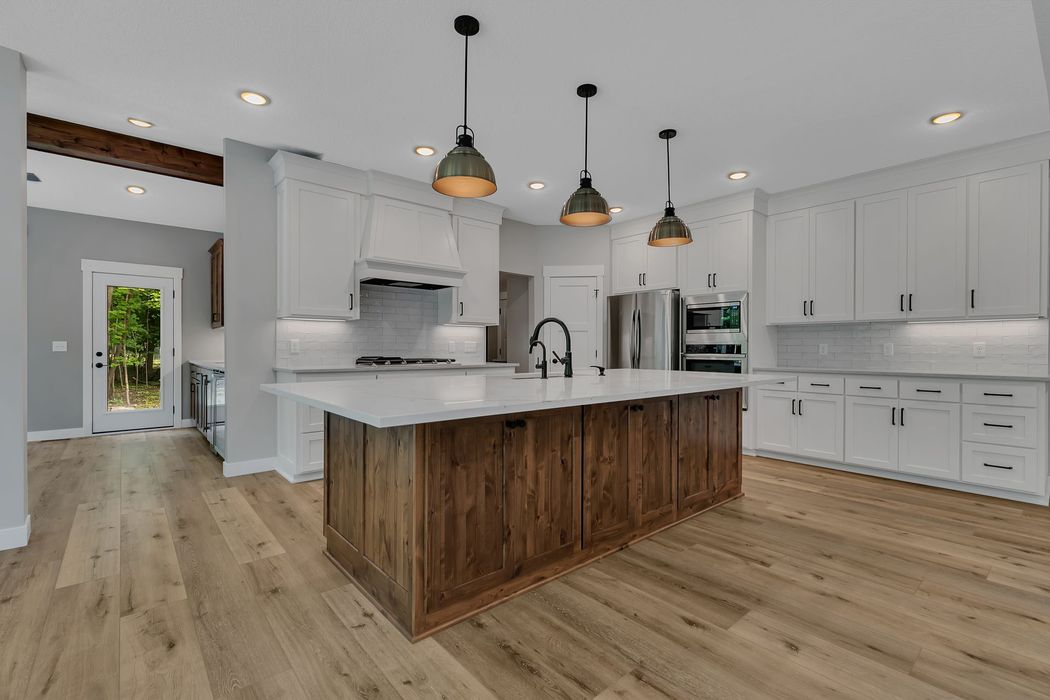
(579, 301)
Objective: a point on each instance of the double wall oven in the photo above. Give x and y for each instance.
(714, 333)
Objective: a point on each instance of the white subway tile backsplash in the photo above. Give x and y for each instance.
(393, 322)
(1011, 346)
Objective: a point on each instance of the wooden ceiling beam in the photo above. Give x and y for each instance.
(101, 146)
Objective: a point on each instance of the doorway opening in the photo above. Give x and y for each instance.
(509, 341)
(132, 346)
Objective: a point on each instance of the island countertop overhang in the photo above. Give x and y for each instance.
(390, 402)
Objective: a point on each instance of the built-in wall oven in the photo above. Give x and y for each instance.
(714, 333)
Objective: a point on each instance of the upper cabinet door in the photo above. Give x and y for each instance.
(787, 266)
(628, 263)
(478, 298)
(882, 256)
(694, 261)
(318, 242)
(831, 263)
(661, 266)
(730, 247)
(937, 250)
(1004, 241)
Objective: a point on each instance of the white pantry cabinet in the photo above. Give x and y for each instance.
(477, 300)
(318, 240)
(1004, 242)
(810, 265)
(719, 258)
(638, 266)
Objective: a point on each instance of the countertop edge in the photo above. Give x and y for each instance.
(395, 368)
(977, 376)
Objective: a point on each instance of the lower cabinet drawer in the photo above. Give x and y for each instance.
(311, 452)
(1015, 427)
(1000, 394)
(930, 390)
(871, 386)
(820, 384)
(785, 384)
(1010, 468)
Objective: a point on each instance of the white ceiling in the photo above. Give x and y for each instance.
(71, 184)
(796, 92)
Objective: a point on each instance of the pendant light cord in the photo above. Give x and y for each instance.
(466, 50)
(668, 142)
(586, 126)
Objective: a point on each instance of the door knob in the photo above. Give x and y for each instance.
(99, 365)
(98, 353)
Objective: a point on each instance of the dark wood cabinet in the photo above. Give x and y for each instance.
(709, 456)
(653, 451)
(217, 290)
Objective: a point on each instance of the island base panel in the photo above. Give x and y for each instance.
(438, 521)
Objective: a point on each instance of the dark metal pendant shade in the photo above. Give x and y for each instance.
(670, 230)
(586, 206)
(464, 172)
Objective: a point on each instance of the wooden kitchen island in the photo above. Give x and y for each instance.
(475, 489)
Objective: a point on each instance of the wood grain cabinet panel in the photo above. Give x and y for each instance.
(709, 457)
(344, 479)
(466, 518)
(607, 512)
(652, 464)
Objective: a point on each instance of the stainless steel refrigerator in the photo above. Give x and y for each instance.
(644, 330)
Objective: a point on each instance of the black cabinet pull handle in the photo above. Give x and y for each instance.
(909, 301)
(708, 280)
(877, 388)
(810, 307)
(645, 278)
(714, 279)
(997, 466)
(351, 302)
(1005, 396)
(998, 425)
(902, 416)
(902, 303)
(461, 308)
(893, 415)
(815, 384)
(804, 308)
(800, 407)
(512, 424)
(972, 292)
(793, 406)
(928, 391)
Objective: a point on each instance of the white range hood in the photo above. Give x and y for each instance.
(408, 245)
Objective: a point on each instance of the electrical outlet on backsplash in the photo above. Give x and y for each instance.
(1010, 346)
(393, 322)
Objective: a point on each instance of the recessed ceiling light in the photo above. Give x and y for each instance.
(738, 175)
(255, 98)
(615, 210)
(425, 151)
(537, 185)
(136, 189)
(141, 123)
(946, 118)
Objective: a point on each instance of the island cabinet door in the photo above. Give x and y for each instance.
(466, 516)
(607, 512)
(709, 458)
(542, 452)
(654, 449)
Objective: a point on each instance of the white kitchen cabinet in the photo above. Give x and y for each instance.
(787, 265)
(477, 300)
(929, 439)
(318, 239)
(638, 266)
(776, 420)
(882, 256)
(820, 426)
(937, 251)
(719, 258)
(872, 433)
(810, 265)
(1004, 242)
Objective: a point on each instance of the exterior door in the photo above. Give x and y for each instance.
(575, 301)
(132, 352)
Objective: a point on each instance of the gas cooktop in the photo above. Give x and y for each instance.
(382, 361)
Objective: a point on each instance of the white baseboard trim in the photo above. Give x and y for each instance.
(15, 537)
(248, 466)
(187, 423)
(286, 468)
(61, 434)
(911, 478)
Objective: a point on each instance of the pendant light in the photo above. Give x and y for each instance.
(586, 206)
(669, 230)
(464, 172)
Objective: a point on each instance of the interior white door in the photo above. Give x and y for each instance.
(776, 421)
(820, 426)
(831, 263)
(132, 352)
(929, 439)
(575, 301)
(882, 256)
(1004, 242)
(937, 250)
(787, 262)
(871, 432)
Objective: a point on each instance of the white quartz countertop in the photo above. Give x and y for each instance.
(210, 364)
(1002, 376)
(396, 368)
(405, 400)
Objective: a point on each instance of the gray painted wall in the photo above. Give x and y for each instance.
(14, 495)
(58, 241)
(250, 253)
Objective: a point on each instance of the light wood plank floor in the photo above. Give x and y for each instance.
(149, 575)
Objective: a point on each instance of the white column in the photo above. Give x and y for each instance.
(14, 494)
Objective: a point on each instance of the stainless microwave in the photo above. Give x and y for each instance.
(715, 319)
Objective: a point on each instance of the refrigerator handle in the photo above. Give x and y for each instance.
(638, 339)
